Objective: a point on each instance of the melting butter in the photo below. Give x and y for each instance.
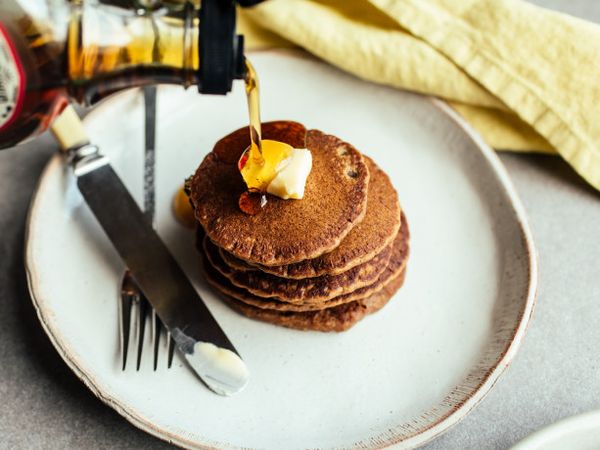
(258, 169)
(291, 175)
(282, 170)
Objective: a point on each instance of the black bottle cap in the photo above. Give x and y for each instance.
(239, 69)
(246, 3)
(221, 51)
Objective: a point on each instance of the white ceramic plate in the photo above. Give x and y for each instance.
(401, 376)
(581, 432)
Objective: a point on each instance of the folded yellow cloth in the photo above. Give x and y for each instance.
(525, 77)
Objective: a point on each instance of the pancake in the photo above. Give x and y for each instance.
(285, 231)
(306, 290)
(337, 318)
(396, 265)
(374, 233)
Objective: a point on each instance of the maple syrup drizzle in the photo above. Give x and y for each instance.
(253, 98)
(250, 202)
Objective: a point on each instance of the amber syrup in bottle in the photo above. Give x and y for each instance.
(85, 52)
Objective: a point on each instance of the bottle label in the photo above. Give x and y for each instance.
(12, 81)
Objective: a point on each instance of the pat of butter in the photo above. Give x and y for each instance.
(291, 175)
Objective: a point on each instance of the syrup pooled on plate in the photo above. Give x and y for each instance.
(182, 208)
(257, 164)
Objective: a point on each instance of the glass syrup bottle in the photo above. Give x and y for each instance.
(53, 51)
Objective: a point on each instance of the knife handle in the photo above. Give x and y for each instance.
(68, 130)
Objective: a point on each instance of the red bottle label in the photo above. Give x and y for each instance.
(12, 81)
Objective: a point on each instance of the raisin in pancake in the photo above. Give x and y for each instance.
(337, 318)
(395, 267)
(374, 233)
(285, 231)
(307, 290)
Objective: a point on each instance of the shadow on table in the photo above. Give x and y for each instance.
(550, 170)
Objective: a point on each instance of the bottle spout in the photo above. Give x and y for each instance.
(221, 49)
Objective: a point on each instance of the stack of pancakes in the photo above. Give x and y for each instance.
(320, 263)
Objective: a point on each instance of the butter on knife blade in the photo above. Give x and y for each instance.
(221, 369)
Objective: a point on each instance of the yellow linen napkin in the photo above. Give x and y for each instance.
(525, 77)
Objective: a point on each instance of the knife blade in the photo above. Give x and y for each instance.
(195, 331)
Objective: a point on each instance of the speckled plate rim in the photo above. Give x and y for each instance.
(518, 334)
(420, 436)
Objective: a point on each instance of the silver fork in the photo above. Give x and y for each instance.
(130, 292)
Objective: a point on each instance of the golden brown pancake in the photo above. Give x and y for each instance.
(306, 290)
(337, 318)
(285, 231)
(396, 265)
(374, 233)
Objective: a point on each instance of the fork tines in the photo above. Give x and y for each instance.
(132, 297)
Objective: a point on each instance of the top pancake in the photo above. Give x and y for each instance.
(374, 233)
(285, 231)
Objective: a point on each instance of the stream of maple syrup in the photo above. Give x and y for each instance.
(252, 201)
(251, 162)
(252, 96)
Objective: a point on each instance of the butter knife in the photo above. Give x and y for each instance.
(195, 331)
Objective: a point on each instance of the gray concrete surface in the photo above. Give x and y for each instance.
(555, 374)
